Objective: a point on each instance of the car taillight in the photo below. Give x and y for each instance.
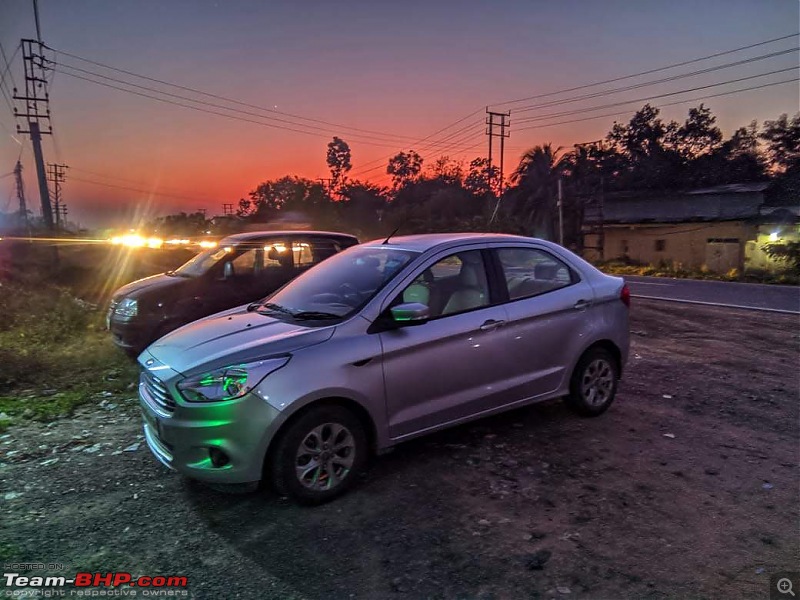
(625, 295)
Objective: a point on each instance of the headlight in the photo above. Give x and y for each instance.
(230, 382)
(128, 307)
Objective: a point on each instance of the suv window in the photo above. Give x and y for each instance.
(530, 272)
(454, 284)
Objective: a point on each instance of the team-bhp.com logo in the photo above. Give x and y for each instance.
(155, 584)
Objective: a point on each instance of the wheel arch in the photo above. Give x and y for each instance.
(363, 415)
(610, 347)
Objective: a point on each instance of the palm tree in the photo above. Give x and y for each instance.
(535, 191)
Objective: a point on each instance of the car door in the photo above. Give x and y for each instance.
(445, 369)
(548, 318)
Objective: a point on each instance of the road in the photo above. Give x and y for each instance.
(782, 298)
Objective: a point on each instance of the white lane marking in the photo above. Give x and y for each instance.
(773, 310)
(647, 283)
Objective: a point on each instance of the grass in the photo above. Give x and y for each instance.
(679, 271)
(55, 353)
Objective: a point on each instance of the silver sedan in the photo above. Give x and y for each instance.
(384, 342)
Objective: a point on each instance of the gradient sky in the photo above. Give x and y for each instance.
(402, 68)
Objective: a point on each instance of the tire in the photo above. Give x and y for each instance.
(593, 385)
(315, 434)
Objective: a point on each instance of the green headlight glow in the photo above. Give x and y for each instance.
(229, 382)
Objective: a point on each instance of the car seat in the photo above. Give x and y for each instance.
(471, 291)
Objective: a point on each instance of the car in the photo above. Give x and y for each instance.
(384, 342)
(241, 268)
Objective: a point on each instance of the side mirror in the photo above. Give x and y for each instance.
(410, 313)
(227, 270)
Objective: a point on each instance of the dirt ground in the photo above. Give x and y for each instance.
(686, 488)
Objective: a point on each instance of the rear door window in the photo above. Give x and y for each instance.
(531, 272)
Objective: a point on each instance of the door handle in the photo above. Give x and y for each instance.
(581, 304)
(491, 325)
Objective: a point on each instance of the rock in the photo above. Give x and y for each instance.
(538, 560)
(49, 461)
(133, 447)
(667, 397)
(561, 589)
(28, 413)
(767, 486)
(48, 392)
(484, 522)
(4, 417)
(11, 495)
(92, 449)
(669, 435)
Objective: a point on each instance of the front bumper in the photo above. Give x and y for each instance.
(183, 436)
(132, 335)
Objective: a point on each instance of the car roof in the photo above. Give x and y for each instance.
(264, 235)
(427, 241)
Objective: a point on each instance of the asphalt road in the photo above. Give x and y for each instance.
(783, 298)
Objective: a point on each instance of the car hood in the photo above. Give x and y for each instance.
(231, 337)
(138, 288)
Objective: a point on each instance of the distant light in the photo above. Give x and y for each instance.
(208, 244)
(773, 237)
(155, 242)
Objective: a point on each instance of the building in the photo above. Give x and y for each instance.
(719, 228)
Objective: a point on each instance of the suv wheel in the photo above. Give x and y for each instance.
(316, 459)
(594, 383)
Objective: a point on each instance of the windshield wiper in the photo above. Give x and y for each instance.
(310, 315)
(268, 307)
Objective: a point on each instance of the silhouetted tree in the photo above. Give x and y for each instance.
(783, 141)
(404, 167)
(338, 159)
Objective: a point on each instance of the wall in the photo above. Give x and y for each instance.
(686, 243)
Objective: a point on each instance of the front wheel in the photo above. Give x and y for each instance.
(594, 383)
(317, 458)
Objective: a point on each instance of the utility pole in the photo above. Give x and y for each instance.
(55, 173)
(560, 211)
(599, 227)
(227, 209)
(503, 123)
(23, 208)
(36, 102)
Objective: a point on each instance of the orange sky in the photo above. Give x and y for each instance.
(404, 71)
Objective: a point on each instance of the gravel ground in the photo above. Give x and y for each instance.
(686, 487)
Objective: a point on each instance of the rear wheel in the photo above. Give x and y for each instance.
(594, 383)
(316, 459)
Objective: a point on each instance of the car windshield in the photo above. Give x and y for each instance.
(340, 285)
(200, 264)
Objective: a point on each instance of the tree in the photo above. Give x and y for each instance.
(245, 208)
(404, 167)
(446, 169)
(783, 141)
(650, 150)
(481, 177)
(535, 190)
(698, 135)
(338, 160)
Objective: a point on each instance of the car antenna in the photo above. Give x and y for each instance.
(386, 241)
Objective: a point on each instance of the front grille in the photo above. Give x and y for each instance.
(155, 393)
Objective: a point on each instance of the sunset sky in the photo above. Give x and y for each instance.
(402, 70)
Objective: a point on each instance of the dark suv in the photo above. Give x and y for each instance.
(242, 268)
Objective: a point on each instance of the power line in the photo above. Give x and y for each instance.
(626, 112)
(654, 82)
(648, 72)
(339, 126)
(636, 101)
(143, 191)
(135, 182)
